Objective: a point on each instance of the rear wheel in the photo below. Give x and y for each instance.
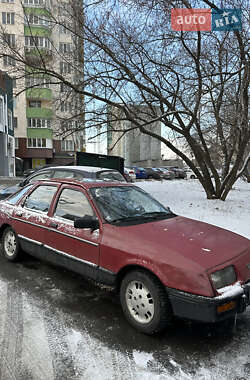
(11, 248)
(145, 302)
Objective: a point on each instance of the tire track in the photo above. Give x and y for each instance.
(61, 356)
(11, 347)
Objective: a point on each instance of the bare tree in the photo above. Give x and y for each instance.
(197, 81)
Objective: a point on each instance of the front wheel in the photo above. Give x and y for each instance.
(145, 302)
(11, 249)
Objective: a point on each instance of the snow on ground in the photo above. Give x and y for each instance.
(187, 198)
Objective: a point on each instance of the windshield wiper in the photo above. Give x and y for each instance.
(157, 214)
(146, 215)
(126, 218)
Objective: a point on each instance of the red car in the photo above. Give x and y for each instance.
(163, 265)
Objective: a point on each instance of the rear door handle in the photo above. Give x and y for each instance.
(53, 225)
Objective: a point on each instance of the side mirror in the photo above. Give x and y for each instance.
(87, 221)
(22, 183)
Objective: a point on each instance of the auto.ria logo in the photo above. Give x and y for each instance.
(226, 19)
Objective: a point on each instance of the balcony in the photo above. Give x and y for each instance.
(39, 93)
(42, 133)
(37, 30)
(37, 112)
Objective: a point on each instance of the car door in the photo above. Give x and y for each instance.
(74, 248)
(30, 218)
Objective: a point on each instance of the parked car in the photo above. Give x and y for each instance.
(179, 173)
(163, 265)
(77, 172)
(139, 172)
(129, 174)
(189, 173)
(167, 174)
(153, 173)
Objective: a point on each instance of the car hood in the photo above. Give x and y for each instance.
(180, 240)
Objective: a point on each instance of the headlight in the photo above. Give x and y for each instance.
(223, 277)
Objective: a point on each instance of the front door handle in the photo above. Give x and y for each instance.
(53, 225)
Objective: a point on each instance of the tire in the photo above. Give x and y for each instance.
(11, 247)
(145, 302)
(192, 176)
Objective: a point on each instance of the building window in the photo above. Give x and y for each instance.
(1, 110)
(34, 2)
(35, 41)
(8, 60)
(37, 81)
(38, 123)
(63, 87)
(32, 19)
(36, 143)
(67, 145)
(64, 29)
(35, 103)
(10, 123)
(10, 39)
(16, 143)
(65, 68)
(8, 18)
(65, 47)
(7, 1)
(15, 122)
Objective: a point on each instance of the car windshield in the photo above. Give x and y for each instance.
(127, 203)
(13, 199)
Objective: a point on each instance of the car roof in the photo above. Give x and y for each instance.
(86, 184)
(92, 169)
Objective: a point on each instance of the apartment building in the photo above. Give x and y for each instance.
(47, 126)
(136, 148)
(7, 144)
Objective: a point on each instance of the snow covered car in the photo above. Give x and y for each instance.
(163, 265)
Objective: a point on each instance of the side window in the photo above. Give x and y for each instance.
(73, 204)
(63, 174)
(40, 199)
(44, 175)
(111, 176)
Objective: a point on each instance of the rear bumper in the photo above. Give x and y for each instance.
(206, 309)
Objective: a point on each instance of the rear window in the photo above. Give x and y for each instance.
(110, 176)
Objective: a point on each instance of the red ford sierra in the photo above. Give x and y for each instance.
(162, 264)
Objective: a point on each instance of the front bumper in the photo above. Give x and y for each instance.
(206, 309)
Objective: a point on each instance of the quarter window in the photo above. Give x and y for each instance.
(40, 199)
(72, 205)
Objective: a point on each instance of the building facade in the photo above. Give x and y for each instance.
(44, 121)
(7, 142)
(136, 148)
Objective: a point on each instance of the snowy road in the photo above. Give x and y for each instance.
(54, 325)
